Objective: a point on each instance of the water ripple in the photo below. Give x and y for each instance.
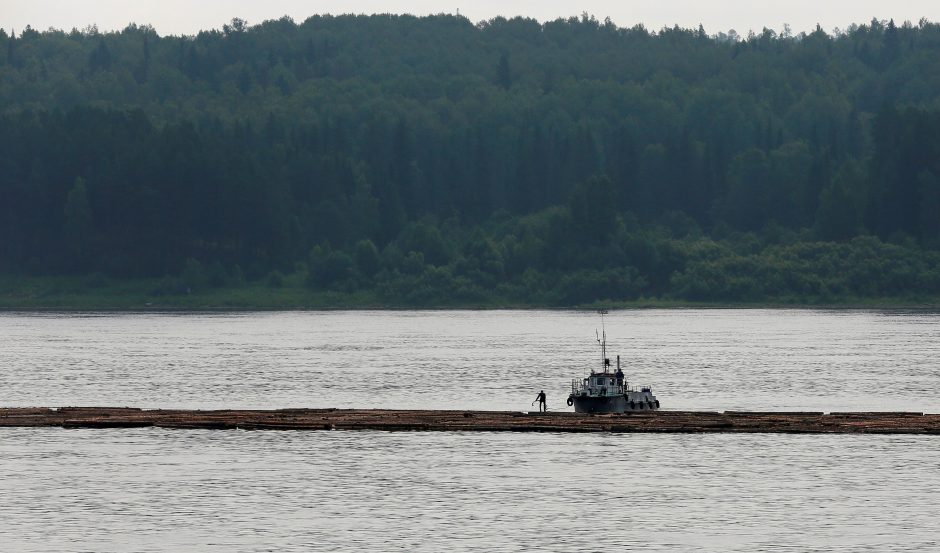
(165, 490)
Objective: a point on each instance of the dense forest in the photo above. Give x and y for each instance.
(434, 161)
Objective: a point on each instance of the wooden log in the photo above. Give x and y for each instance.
(475, 421)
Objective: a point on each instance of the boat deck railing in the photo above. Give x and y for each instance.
(579, 387)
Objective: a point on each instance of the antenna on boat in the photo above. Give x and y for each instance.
(603, 341)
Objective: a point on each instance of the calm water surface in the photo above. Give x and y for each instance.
(164, 490)
(695, 359)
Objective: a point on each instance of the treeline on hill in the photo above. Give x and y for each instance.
(431, 161)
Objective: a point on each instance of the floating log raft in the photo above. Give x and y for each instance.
(478, 421)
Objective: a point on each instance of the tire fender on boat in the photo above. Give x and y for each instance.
(570, 401)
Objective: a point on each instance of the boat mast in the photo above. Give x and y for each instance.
(603, 342)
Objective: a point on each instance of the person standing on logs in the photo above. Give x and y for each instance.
(543, 406)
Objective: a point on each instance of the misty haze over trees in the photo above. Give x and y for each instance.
(433, 161)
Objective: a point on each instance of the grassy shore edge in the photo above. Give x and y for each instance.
(70, 294)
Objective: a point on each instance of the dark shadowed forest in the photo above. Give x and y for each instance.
(395, 160)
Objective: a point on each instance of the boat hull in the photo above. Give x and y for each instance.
(611, 404)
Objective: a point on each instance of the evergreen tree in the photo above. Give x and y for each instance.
(503, 74)
(100, 57)
(78, 223)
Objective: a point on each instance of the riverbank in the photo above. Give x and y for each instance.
(476, 421)
(101, 294)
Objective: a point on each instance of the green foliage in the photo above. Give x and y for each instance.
(193, 276)
(841, 207)
(929, 221)
(594, 209)
(328, 269)
(78, 221)
(811, 271)
(503, 73)
(431, 161)
(275, 279)
(367, 259)
(425, 239)
(611, 285)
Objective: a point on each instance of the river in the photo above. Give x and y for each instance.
(174, 490)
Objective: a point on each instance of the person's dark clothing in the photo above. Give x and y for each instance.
(542, 403)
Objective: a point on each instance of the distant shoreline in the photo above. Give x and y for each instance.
(63, 294)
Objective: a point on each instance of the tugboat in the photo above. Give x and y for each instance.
(608, 392)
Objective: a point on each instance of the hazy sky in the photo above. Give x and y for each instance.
(190, 16)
